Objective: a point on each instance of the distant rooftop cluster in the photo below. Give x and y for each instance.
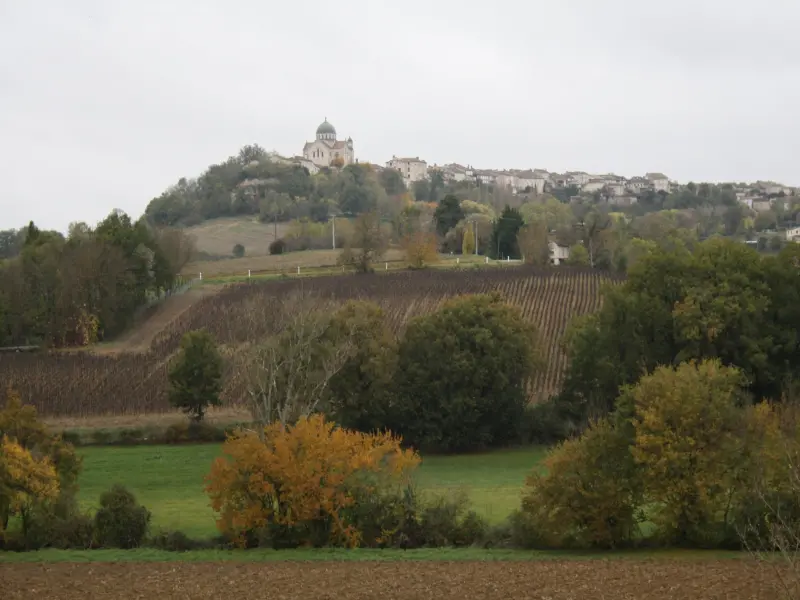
(328, 151)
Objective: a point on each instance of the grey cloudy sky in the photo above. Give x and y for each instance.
(105, 103)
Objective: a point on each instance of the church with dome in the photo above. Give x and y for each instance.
(326, 150)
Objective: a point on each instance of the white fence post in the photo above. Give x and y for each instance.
(248, 273)
(386, 268)
(486, 260)
(458, 260)
(298, 269)
(201, 277)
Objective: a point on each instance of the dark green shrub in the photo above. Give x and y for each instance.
(471, 530)
(277, 247)
(60, 525)
(71, 437)
(181, 433)
(121, 522)
(441, 521)
(388, 520)
(130, 437)
(178, 433)
(541, 424)
(203, 432)
(521, 532)
(101, 437)
(176, 541)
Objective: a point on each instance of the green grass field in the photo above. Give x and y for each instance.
(168, 480)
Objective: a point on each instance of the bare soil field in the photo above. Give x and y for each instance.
(540, 580)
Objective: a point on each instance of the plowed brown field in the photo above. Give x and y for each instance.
(545, 580)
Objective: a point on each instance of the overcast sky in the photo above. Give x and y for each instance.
(105, 103)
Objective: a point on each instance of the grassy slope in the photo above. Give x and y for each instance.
(169, 480)
(217, 237)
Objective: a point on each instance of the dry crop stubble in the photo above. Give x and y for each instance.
(83, 384)
(620, 579)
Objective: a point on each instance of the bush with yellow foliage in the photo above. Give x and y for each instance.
(24, 480)
(38, 470)
(684, 451)
(298, 484)
(421, 249)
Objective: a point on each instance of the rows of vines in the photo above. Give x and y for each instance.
(84, 384)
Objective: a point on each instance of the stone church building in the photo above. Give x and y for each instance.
(326, 150)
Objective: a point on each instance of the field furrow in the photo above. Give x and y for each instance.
(82, 384)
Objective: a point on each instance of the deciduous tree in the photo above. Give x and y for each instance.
(24, 481)
(302, 478)
(287, 375)
(533, 240)
(361, 391)
(421, 249)
(588, 495)
(367, 244)
(686, 426)
(462, 375)
(195, 377)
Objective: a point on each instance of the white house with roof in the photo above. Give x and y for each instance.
(530, 179)
(793, 234)
(326, 150)
(412, 169)
(659, 181)
(593, 185)
(558, 254)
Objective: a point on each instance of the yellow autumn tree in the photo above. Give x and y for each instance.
(24, 480)
(301, 477)
(421, 249)
(21, 426)
(468, 239)
(687, 446)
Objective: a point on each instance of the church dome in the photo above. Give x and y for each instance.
(326, 128)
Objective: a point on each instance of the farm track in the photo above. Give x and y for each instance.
(82, 384)
(141, 336)
(407, 580)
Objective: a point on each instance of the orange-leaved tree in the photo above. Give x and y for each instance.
(301, 478)
(421, 249)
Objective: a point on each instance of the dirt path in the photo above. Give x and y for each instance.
(139, 337)
(545, 580)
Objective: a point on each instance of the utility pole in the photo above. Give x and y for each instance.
(333, 231)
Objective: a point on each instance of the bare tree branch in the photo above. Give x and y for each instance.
(289, 373)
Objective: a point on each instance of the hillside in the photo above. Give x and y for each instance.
(85, 384)
(217, 237)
